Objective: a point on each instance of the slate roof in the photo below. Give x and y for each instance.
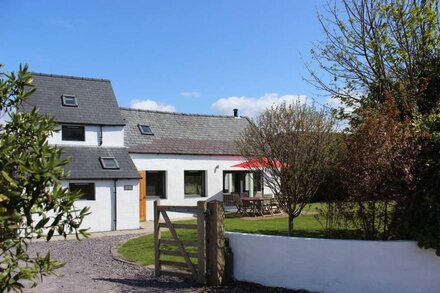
(177, 133)
(85, 163)
(97, 103)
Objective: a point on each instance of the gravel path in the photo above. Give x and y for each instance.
(91, 268)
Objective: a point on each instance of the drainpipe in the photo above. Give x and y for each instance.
(116, 203)
(100, 135)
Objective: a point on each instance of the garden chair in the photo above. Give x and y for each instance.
(272, 204)
(242, 210)
(276, 206)
(267, 204)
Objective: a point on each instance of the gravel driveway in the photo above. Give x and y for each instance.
(91, 268)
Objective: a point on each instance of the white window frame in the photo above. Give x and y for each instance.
(64, 99)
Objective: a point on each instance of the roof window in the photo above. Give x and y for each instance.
(69, 101)
(109, 163)
(145, 129)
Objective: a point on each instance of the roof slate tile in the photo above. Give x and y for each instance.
(176, 133)
(97, 103)
(85, 163)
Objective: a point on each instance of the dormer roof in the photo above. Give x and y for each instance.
(96, 101)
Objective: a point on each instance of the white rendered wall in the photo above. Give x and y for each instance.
(102, 208)
(334, 266)
(175, 165)
(112, 136)
(128, 205)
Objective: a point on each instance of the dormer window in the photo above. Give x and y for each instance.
(73, 133)
(69, 101)
(145, 129)
(109, 163)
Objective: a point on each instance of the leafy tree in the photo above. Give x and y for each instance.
(381, 58)
(294, 144)
(420, 218)
(32, 199)
(378, 47)
(379, 170)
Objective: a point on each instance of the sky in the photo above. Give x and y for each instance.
(204, 57)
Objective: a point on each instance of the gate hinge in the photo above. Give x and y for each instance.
(207, 212)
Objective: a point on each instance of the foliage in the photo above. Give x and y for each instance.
(374, 47)
(32, 199)
(381, 59)
(295, 146)
(379, 169)
(421, 217)
(332, 189)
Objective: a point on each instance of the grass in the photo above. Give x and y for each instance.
(141, 249)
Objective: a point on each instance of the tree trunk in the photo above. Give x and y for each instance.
(290, 225)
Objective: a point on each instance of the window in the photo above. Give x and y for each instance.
(258, 181)
(145, 129)
(72, 133)
(69, 101)
(109, 163)
(156, 184)
(87, 190)
(194, 183)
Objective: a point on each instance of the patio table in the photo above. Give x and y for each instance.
(256, 204)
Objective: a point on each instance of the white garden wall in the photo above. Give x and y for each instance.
(334, 266)
(175, 165)
(102, 209)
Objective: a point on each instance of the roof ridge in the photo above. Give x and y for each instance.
(69, 76)
(90, 146)
(179, 113)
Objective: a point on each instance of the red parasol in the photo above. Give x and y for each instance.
(258, 163)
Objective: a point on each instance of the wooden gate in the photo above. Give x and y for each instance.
(207, 248)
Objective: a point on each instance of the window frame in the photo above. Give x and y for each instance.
(140, 126)
(162, 173)
(204, 184)
(64, 99)
(84, 197)
(103, 164)
(82, 138)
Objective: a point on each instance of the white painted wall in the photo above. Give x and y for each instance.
(102, 208)
(128, 205)
(175, 165)
(112, 136)
(328, 265)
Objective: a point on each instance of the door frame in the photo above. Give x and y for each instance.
(142, 196)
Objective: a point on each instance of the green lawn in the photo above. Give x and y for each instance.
(141, 249)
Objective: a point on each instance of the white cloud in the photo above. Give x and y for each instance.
(190, 94)
(151, 105)
(250, 106)
(336, 103)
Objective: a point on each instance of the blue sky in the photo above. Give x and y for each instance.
(185, 56)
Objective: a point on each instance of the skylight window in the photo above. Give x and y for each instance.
(109, 163)
(69, 101)
(145, 129)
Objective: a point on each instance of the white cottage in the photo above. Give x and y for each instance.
(124, 159)
(184, 158)
(91, 132)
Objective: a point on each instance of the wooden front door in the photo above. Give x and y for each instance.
(142, 196)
